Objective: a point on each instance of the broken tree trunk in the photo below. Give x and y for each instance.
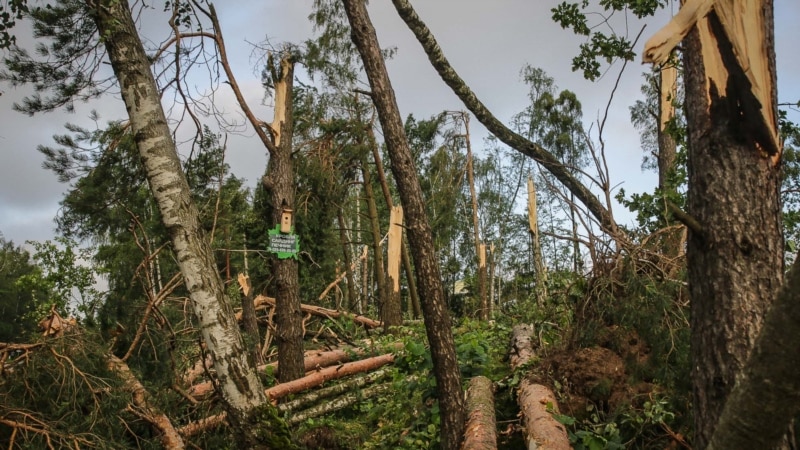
(537, 403)
(481, 431)
(296, 386)
(170, 438)
(329, 373)
(322, 312)
(336, 389)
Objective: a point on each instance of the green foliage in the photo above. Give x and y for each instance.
(601, 46)
(67, 58)
(20, 293)
(65, 390)
(10, 12)
(67, 275)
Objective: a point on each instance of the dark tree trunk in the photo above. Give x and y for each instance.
(429, 281)
(352, 296)
(377, 251)
(735, 261)
(239, 385)
(279, 183)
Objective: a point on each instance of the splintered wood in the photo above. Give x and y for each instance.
(744, 28)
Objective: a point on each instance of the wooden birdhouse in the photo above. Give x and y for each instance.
(286, 220)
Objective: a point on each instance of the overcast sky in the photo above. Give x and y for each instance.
(488, 42)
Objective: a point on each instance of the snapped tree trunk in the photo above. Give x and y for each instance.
(536, 246)
(735, 247)
(352, 296)
(239, 385)
(377, 250)
(279, 183)
(429, 281)
(480, 248)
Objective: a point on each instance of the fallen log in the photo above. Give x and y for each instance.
(319, 311)
(338, 403)
(170, 437)
(314, 360)
(330, 373)
(481, 430)
(332, 391)
(296, 386)
(537, 403)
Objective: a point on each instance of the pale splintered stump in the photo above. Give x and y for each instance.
(393, 311)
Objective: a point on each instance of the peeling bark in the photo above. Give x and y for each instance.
(239, 384)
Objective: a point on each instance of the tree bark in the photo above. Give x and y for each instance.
(536, 402)
(329, 373)
(279, 183)
(481, 429)
(765, 400)
(735, 254)
(352, 296)
(170, 438)
(480, 252)
(249, 322)
(239, 384)
(429, 281)
(377, 249)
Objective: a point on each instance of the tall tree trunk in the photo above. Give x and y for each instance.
(735, 262)
(536, 246)
(667, 148)
(239, 385)
(393, 310)
(480, 253)
(406, 258)
(279, 183)
(377, 250)
(352, 296)
(429, 281)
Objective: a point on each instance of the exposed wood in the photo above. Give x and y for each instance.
(538, 260)
(338, 403)
(331, 391)
(481, 430)
(438, 326)
(170, 438)
(393, 250)
(322, 312)
(743, 28)
(480, 247)
(735, 261)
(414, 305)
(329, 373)
(537, 403)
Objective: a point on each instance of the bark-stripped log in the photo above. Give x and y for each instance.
(537, 403)
(481, 431)
(330, 373)
(295, 386)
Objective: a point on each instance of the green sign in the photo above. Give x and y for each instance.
(284, 245)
